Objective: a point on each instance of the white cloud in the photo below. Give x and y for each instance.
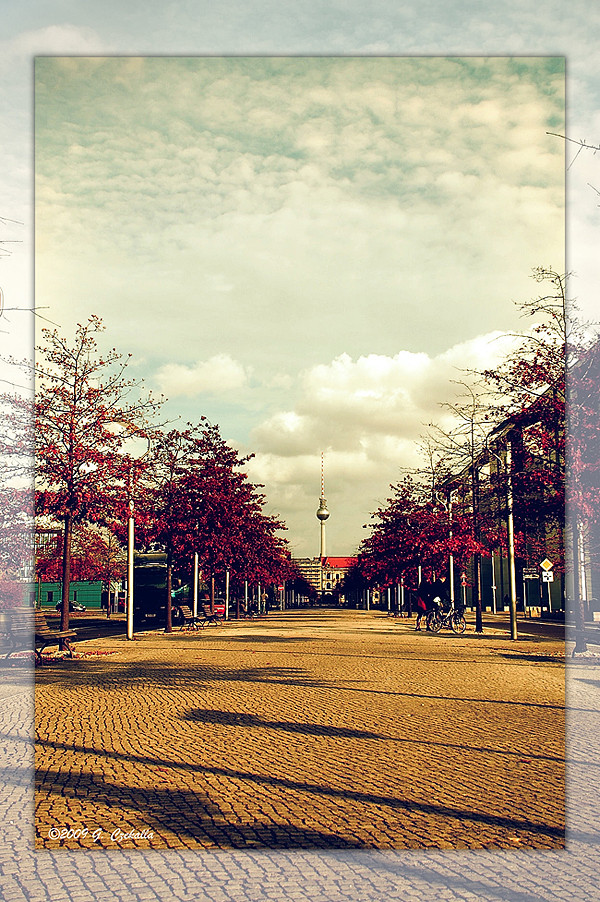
(220, 374)
(368, 415)
(350, 404)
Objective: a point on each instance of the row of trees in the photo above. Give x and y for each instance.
(101, 456)
(508, 447)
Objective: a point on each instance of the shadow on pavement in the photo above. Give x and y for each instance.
(268, 639)
(129, 675)
(188, 815)
(242, 719)
(179, 810)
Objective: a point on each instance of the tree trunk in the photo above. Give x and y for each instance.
(477, 587)
(580, 642)
(477, 556)
(169, 617)
(66, 574)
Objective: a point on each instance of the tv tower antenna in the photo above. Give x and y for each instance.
(322, 513)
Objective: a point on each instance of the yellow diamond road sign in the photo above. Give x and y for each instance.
(546, 564)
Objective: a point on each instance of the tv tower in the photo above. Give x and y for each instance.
(322, 513)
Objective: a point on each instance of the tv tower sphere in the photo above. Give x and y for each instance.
(322, 513)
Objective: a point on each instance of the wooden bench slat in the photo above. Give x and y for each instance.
(17, 627)
(28, 629)
(46, 635)
(210, 617)
(188, 617)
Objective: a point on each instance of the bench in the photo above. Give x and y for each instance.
(17, 627)
(46, 635)
(189, 621)
(209, 617)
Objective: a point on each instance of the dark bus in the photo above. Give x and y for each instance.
(149, 589)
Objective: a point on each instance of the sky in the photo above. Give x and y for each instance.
(307, 249)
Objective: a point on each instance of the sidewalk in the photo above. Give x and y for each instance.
(310, 729)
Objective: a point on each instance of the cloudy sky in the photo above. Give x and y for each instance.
(307, 249)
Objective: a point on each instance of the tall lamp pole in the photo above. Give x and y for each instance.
(195, 594)
(510, 531)
(511, 542)
(117, 426)
(130, 546)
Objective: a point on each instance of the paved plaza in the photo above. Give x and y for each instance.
(305, 727)
(312, 729)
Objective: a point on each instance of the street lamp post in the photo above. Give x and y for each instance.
(511, 542)
(510, 531)
(494, 605)
(195, 594)
(116, 426)
(451, 556)
(130, 547)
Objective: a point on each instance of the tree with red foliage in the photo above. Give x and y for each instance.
(413, 534)
(583, 469)
(524, 400)
(199, 500)
(16, 529)
(462, 450)
(161, 506)
(96, 554)
(81, 392)
(229, 528)
(529, 396)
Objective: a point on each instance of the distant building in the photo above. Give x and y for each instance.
(326, 573)
(333, 571)
(310, 569)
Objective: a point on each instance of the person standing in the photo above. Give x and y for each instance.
(424, 597)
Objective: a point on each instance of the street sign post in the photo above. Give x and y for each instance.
(548, 577)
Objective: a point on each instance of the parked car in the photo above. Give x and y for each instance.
(74, 607)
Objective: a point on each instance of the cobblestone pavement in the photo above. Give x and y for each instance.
(297, 757)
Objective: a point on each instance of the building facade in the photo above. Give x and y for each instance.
(325, 574)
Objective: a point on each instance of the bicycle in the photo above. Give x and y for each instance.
(452, 619)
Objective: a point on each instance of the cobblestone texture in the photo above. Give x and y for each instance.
(283, 759)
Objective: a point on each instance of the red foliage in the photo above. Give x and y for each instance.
(197, 499)
(410, 532)
(82, 393)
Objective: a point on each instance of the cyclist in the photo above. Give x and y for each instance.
(439, 594)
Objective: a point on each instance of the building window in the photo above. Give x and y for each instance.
(50, 598)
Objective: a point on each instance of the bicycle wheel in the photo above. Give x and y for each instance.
(434, 621)
(459, 624)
